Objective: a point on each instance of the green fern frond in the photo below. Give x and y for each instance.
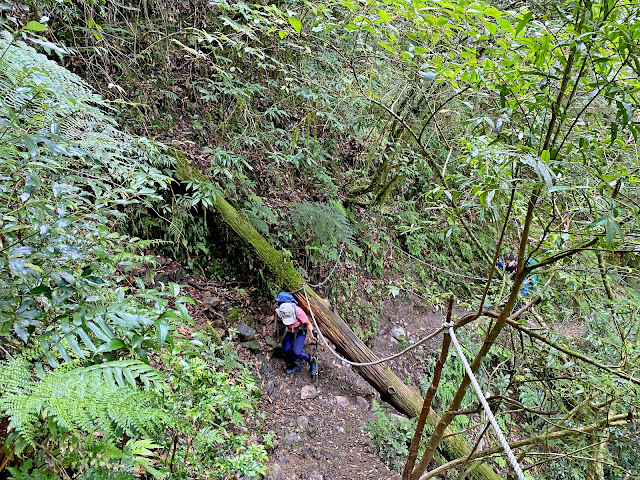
(104, 397)
(50, 101)
(323, 225)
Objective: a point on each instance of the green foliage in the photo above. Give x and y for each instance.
(211, 392)
(322, 227)
(70, 180)
(391, 437)
(437, 117)
(102, 473)
(81, 413)
(68, 175)
(26, 472)
(102, 397)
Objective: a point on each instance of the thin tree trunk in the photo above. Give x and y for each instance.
(426, 406)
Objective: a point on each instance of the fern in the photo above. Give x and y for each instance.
(103, 398)
(323, 225)
(43, 99)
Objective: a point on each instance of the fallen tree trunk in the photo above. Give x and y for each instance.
(393, 390)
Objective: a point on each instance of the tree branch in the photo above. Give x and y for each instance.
(572, 353)
(617, 420)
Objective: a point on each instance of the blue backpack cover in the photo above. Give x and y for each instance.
(286, 297)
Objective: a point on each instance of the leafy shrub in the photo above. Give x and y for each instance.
(68, 174)
(211, 392)
(322, 227)
(391, 437)
(69, 178)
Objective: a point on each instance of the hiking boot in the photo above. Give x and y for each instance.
(313, 367)
(291, 369)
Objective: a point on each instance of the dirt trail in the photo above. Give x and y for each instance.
(324, 436)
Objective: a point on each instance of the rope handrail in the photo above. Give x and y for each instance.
(376, 362)
(485, 405)
(446, 326)
(317, 285)
(434, 267)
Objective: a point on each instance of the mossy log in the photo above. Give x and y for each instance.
(392, 389)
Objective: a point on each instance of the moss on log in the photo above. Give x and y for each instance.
(393, 390)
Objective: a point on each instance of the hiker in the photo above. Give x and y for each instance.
(509, 263)
(298, 325)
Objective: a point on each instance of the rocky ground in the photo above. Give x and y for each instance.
(318, 433)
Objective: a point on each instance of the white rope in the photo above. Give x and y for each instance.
(328, 276)
(434, 267)
(368, 364)
(332, 269)
(487, 410)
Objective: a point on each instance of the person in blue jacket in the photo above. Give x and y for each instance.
(509, 263)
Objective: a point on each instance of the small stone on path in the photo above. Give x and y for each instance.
(251, 345)
(245, 332)
(362, 403)
(343, 401)
(308, 392)
(211, 301)
(340, 429)
(271, 385)
(290, 439)
(398, 333)
(316, 476)
(275, 472)
(303, 422)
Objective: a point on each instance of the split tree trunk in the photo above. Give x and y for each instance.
(393, 390)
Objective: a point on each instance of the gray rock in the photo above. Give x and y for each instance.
(245, 332)
(308, 392)
(315, 476)
(271, 386)
(271, 342)
(343, 401)
(366, 304)
(398, 333)
(340, 429)
(252, 345)
(211, 301)
(362, 387)
(362, 403)
(281, 457)
(303, 422)
(290, 439)
(275, 472)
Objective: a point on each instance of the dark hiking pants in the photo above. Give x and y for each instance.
(293, 344)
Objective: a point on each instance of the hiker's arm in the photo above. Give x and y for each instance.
(309, 327)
